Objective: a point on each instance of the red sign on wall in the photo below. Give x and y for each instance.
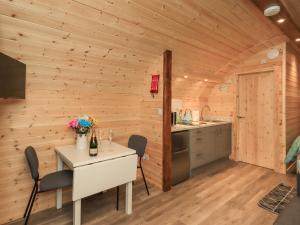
(154, 84)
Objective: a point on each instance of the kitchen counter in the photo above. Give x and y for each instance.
(182, 127)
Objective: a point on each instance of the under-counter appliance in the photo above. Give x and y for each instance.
(180, 157)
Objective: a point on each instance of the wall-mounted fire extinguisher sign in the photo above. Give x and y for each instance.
(154, 84)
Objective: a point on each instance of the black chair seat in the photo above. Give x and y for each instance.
(49, 182)
(56, 180)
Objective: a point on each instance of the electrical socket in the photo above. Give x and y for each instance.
(146, 157)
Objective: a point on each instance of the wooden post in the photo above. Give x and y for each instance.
(167, 95)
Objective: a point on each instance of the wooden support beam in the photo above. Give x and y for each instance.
(167, 95)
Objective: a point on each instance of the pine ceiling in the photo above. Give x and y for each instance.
(204, 36)
(293, 8)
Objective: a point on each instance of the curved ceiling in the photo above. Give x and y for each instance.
(293, 8)
(205, 36)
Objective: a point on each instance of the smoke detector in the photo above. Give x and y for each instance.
(272, 10)
(273, 53)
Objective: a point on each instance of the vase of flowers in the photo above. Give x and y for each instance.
(82, 127)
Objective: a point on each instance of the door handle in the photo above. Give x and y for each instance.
(240, 117)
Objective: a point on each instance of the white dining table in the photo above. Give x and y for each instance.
(113, 166)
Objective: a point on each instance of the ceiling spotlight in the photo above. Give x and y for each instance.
(205, 80)
(185, 76)
(280, 20)
(297, 40)
(272, 10)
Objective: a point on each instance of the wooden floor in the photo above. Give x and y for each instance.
(221, 193)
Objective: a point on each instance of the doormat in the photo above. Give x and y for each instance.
(277, 199)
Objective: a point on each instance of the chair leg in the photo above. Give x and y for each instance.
(118, 193)
(31, 205)
(144, 178)
(29, 202)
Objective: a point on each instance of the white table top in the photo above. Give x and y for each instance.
(75, 158)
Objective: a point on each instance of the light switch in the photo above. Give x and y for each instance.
(160, 111)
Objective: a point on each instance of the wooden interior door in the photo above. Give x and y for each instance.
(256, 119)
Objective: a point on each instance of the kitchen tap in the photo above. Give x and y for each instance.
(202, 111)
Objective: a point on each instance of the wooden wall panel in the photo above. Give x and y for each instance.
(41, 120)
(69, 73)
(292, 95)
(151, 123)
(189, 91)
(222, 98)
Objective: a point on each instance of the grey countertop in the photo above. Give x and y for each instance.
(181, 127)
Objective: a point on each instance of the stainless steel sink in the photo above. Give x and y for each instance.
(204, 122)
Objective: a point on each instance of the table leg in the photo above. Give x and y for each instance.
(77, 212)
(128, 201)
(60, 165)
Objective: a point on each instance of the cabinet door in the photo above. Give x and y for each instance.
(223, 141)
(202, 146)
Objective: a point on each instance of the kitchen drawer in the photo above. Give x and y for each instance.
(202, 135)
(198, 140)
(195, 133)
(197, 160)
(202, 145)
(202, 158)
(202, 142)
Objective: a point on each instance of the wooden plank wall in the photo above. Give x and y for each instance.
(55, 93)
(219, 92)
(191, 91)
(222, 98)
(68, 75)
(151, 124)
(292, 94)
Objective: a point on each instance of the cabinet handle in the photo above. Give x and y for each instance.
(199, 139)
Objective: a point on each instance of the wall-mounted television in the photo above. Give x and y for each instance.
(12, 78)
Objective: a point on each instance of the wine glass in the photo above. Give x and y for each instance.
(99, 136)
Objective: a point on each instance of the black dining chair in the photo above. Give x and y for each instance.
(138, 143)
(49, 182)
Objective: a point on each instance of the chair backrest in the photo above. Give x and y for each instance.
(138, 143)
(33, 162)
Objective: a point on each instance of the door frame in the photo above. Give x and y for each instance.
(279, 165)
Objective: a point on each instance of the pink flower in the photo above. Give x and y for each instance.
(73, 123)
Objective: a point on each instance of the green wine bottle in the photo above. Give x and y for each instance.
(93, 145)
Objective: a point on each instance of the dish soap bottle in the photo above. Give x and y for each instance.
(93, 145)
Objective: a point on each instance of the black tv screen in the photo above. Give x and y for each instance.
(12, 77)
